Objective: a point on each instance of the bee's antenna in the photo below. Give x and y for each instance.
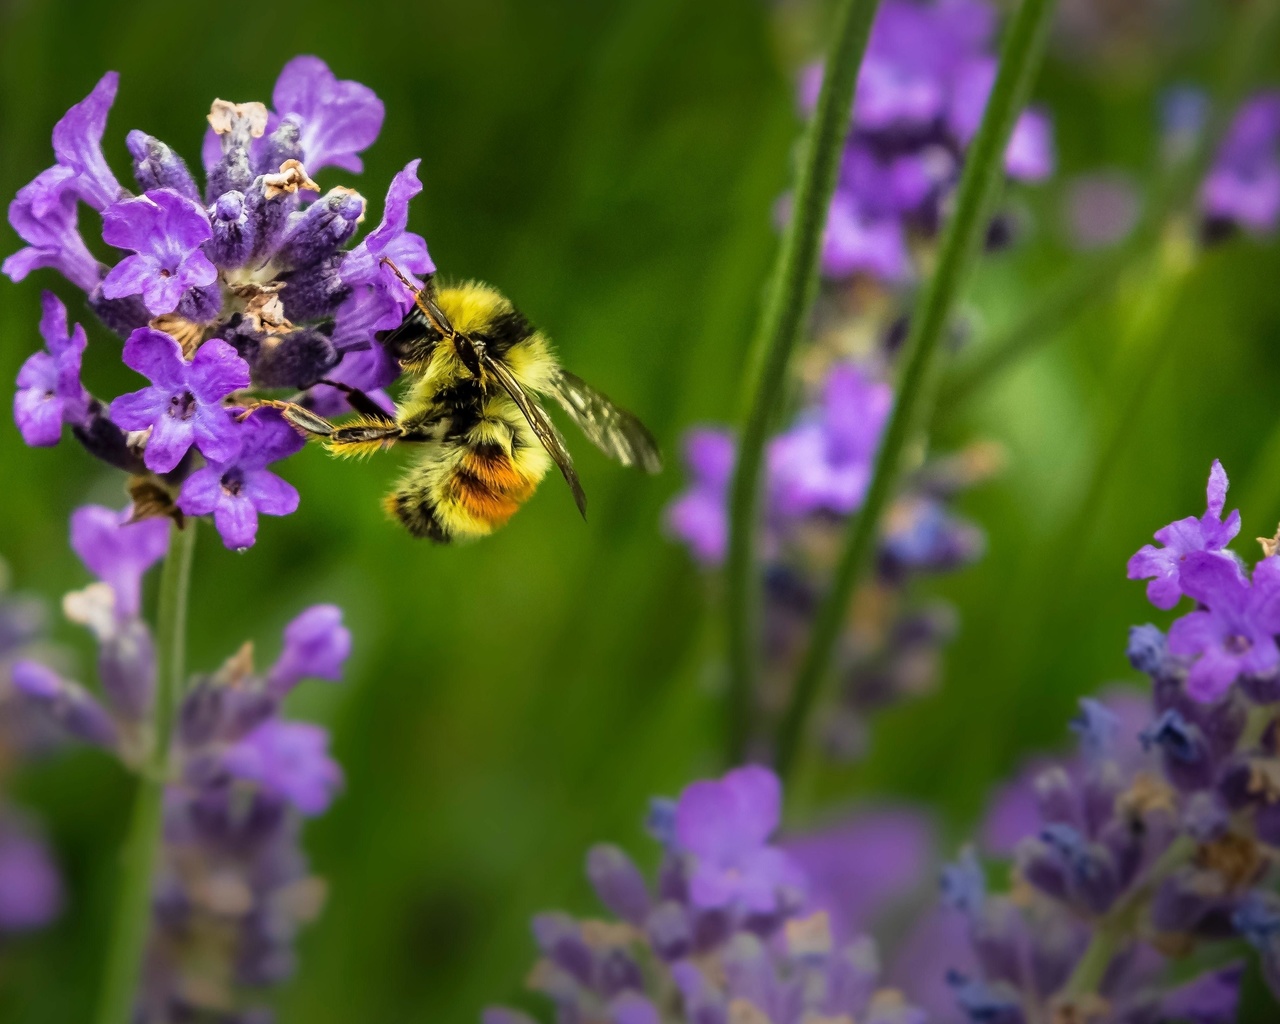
(422, 296)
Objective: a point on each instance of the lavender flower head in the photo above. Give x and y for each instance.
(1243, 186)
(233, 878)
(921, 91)
(699, 947)
(249, 283)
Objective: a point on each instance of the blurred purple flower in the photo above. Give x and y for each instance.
(30, 887)
(183, 406)
(1101, 209)
(316, 646)
(699, 516)
(1243, 186)
(290, 759)
(117, 551)
(49, 389)
(824, 463)
(166, 232)
(235, 490)
(1210, 533)
(725, 826)
(857, 869)
(1234, 633)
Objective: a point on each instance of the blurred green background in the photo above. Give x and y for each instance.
(612, 165)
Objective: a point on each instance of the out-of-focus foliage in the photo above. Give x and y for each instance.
(612, 166)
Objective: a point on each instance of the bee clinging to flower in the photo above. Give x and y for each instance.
(478, 369)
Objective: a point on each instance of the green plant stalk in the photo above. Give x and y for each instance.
(132, 922)
(984, 170)
(1252, 38)
(790, 295)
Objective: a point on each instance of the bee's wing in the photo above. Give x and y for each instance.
(614, 431)
(542, 427)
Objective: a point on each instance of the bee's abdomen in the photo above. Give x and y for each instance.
(470, 491)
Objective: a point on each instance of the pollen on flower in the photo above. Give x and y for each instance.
(291, 177)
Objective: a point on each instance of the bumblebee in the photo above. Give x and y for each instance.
(478, 370)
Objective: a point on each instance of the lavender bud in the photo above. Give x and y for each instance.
(298, 359)
(238, 124)
(618, 883)
(619, 973)
(155, 165)
(1148, 652)
(281, 145)
(121, 316)
(321, 228)
(1091, 875)
(983, 1003)
(200, 305)
(315, 291)
(67, 702)
(1183, 749)
(561, 941)
(669, 931)
(104, 440)
(1056, 797)
(234, 232)
(964, 886)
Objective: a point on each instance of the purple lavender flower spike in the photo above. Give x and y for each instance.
(337, 119)
(1243, 186)
(290, 759)
(77, 143)
(183, 404)
(44, 214)
(117, 551)
(1235, 633)
(166, 232)
(235, 490)
(316, 646)
(700, 516)
(1208, 533)
(362, 267)
(49, 389)
(725, 826)
(30, 888)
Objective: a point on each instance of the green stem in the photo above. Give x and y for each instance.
(132, 922)
(984, 170)
(790, 295)
(1095, 280)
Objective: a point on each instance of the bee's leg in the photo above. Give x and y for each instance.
(297, 416)
(360, 401)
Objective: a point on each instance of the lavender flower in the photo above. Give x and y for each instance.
(234, 491)
(49, 389)
(1243, 186)
(183, 406)
(921, 91)
(166, 232)
(1209, 533)
(671, 958)
(245, 284)
(724, 827)
(700, 515)
(234, 887)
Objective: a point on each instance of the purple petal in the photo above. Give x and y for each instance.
(216, 371)
(53, 324)
(118, 552)
(44, 214)
(390, 238)
(1216, 492)
(270, 495)
(236, 520)
(216, 433)
(1212, 675)
(1195, 632)
(77, 143)
(134, 223)
(710, 454)
(339, 118)
(701, 520)
(38, 414)
(291, 759)
(171, 438)
(1213, 580)
(1029, 156)
(316, 646)
(158, 357)
(30, 887)
(268, 438)
(161, 291)
(201, 491)
(132, 276)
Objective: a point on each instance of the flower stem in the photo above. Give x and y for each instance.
(984, 170)
(132, 922)
(791, 292)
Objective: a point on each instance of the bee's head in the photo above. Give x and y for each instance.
(469, 351)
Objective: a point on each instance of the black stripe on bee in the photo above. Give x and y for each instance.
(504, 331)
